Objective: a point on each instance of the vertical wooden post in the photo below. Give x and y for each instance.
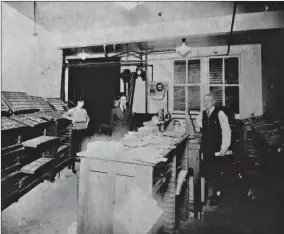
(146, 86)
(169, 197)
(202, 189)
(184, 196)
(194, 164)
(62, 91)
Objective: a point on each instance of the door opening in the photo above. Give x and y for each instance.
(97, 85)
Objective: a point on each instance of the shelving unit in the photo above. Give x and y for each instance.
(42, 104)
(18, 101)
(4, 108)
(29, 119)
(57, 103)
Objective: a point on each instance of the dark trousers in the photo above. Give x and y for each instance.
(213, 170)
(222, 172)
(77, 138)
(76, 142)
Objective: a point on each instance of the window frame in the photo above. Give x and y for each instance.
(224, 85)
(186, 85)
(205, 80)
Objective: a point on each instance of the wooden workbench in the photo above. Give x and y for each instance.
(112, 177)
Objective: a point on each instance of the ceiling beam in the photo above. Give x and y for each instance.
(198, 27)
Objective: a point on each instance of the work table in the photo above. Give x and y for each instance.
(147, 167)
(150, 149)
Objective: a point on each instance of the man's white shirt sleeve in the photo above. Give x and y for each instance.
(199, 120)
(226, 130)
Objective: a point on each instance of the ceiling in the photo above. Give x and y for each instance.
(68, 17)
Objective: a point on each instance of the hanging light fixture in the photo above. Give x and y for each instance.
(83, 55)
(183, 49)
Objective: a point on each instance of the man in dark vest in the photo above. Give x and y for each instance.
(216, 138)
(120, 120)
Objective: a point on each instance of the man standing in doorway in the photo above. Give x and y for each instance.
(120, 120)
(216, 137)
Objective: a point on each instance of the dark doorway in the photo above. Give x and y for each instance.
(96, 84)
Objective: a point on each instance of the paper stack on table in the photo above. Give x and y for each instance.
(139, 213)
(148, 154)
(105, 148)
(136, 142)
(174, 134)
(97, 144)
(146, 130)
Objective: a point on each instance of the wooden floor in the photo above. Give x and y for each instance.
(51, 208)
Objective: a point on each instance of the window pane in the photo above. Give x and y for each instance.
(215, 70)
(179, 98)
(180, 72)
(193, 99)
(232, 71)
(193, 72)
(232, 99)
(218, 94)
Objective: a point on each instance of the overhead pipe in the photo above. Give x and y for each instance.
(152, 77)
(133, 54)
(129, 63)
(232, 27)
(149, 60)
(146, 87)
(35, 33)
(62, 94)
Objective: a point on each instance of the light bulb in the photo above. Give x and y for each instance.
(183, 49)
(83, 55)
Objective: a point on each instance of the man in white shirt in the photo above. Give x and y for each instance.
(216, 137)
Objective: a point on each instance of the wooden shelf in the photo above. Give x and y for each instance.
(39, 141)
(63, 148)
(33, 167)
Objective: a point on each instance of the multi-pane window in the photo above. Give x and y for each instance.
(220, 76)
(187, 85)
(224, 81)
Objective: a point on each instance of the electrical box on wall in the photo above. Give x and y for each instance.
(158, 90)
(158, 96)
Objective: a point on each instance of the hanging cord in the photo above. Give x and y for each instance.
(35, 33)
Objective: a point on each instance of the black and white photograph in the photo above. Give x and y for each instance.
(142, 117)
